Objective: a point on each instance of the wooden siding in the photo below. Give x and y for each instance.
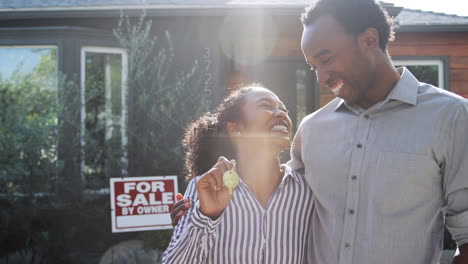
(453, 45)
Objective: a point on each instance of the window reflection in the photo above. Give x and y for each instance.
(102, 134)
(301, 95)
(28, 117)
(425, 70)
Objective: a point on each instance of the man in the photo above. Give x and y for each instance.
(387, 160)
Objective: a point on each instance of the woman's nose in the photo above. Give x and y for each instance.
(281, 113)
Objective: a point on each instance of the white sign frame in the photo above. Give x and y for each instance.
(140, 222)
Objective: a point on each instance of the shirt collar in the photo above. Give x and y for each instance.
(340, 104)
(289, 172)
(406, 89)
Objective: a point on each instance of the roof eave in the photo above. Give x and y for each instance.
(159, 10)
(433, 28)
(106, 12)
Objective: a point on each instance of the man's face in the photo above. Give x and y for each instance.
(338, 59)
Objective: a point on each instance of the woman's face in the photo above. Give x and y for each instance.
(266, 117)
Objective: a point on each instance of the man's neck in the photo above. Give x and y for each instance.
(385, 79)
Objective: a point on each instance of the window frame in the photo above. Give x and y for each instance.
(124, 113)
(441, 61)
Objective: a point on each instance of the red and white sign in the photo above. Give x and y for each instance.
(142, 203)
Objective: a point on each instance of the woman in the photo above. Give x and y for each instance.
(266, 219)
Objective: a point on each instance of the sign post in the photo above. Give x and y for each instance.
(142, 203)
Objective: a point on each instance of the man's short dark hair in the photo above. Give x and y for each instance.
(355, 16)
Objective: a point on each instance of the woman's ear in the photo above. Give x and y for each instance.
(232, 129)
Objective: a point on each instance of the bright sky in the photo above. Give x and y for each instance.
(453, 7)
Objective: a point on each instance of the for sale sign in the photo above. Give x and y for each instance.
(142, 203)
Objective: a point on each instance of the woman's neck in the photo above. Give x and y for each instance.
(260, 170)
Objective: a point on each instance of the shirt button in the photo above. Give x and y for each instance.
(366, 116)
(354, 178)
(351, 211)
(347, 245)
(359, 145)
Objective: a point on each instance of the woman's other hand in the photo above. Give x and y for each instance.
(179, 208)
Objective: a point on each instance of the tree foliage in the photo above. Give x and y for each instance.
(162, 98)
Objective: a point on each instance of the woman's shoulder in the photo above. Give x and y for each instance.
(300, 186)
(298, 175)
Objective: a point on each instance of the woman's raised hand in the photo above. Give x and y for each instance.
(214, 197)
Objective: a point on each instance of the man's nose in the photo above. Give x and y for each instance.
(322, 76)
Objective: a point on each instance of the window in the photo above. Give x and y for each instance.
(103, 115)
(37, 64)
(428, 70)
(302, 96)
(28, 118)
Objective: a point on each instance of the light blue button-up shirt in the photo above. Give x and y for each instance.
(385, 180)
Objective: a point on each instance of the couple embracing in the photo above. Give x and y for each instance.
(374, 176)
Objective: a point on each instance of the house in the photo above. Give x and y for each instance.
(238, 41)
(234, 41)
(428, 38)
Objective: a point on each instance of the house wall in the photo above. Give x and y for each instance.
(454, 45)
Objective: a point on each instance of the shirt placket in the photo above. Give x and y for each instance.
(266, 221)
(264, 233)
(352, 196)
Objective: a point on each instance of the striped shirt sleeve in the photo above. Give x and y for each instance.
(193, 235)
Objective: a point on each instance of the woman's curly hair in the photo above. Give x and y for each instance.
(206, 138)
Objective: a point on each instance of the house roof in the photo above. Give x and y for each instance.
(409, 20)
(41, 5)
(147, 3)
(418, 17)
(418, 20)
(161, 3)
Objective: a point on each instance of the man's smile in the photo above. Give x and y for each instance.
(335, 88)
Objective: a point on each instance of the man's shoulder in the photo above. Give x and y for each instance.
(428, 93)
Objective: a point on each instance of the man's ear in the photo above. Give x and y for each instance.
(232, 129)
(369, 39)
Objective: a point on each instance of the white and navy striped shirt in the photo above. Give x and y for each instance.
(246, 232)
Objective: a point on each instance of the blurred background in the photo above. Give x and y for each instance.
(91, 90)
